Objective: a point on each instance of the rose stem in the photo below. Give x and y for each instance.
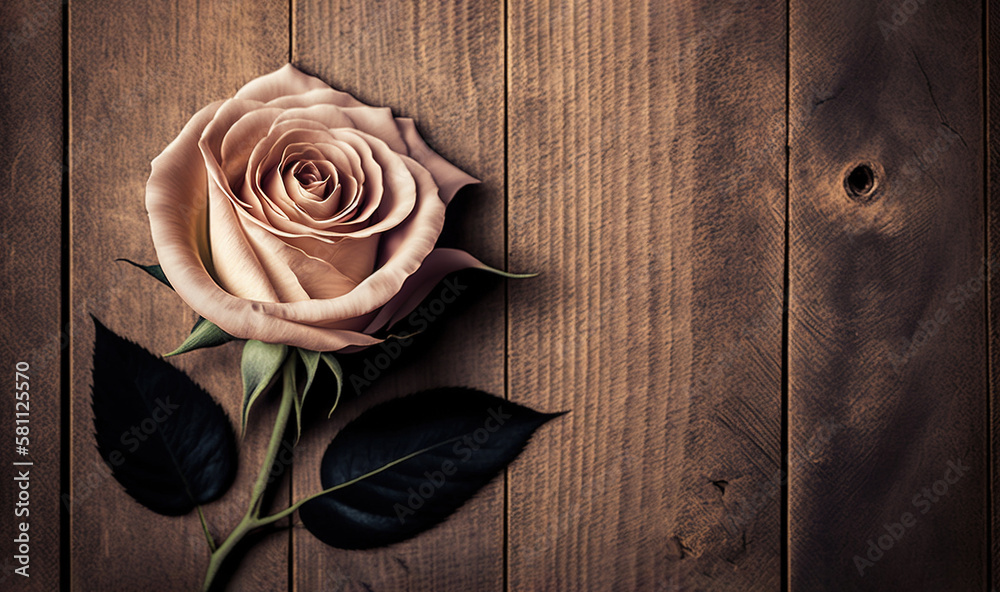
(250, 520)
(204, 528)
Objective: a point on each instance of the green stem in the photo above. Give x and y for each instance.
(250, 520)
(288, 394)
(204, 528)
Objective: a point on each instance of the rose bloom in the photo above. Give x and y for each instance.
(293, 213)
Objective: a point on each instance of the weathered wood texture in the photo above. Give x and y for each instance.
(646, 182)
(992, 67)
(138, 72)
(887, 343)
(638, 154)
(442, 64)
(31, 158)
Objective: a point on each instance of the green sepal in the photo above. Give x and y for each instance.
(260, 365)
(205, 333)
(154, 270)
(310, 359)
(338, 373)
(292, 382)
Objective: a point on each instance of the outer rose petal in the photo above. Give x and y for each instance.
(236, 267)
(438, 264)
(176, 199)
(287, 80)
(449, 177)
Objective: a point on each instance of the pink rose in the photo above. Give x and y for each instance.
(295, 214)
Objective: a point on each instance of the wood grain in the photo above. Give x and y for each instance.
(442, 64)
(886, 320)
(991, 38)
(646, 183)
(31, 157)
(638, 153)
(138, 72)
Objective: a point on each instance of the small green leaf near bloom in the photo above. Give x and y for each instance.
(154, 270)
(310, 359)
(338, 373)
(260, 365)
(205, 333)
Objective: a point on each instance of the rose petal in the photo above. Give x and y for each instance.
(288, 80)
(295, 275)
(353, 257)
(326, 116)
(412, 241)
(176, 199)
(448, 177)
(378, 122)
(398, 198)
(438, 264)
(212, 137)
(178, 226)
(284, 195)
(317, 96)
(240, 140)
(363, 178)
(236, 267)
(374, 121)
(328, 105)
(310, 143)
(346, 160)
(320, 200)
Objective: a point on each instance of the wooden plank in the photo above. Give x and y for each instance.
(139, 70)
(31, 157)
(886, 319)
(442, 64)
(647, 185)
(992, 79)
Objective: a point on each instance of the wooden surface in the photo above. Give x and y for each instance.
(867, 280)
(31, 158)
(992, 129)
(647, 181)
(440, 63)
(723, 322)
(138, 73)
